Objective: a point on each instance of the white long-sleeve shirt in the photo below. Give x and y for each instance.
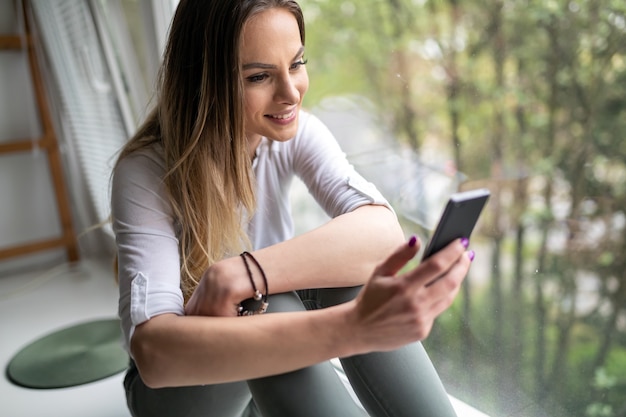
(146, 232)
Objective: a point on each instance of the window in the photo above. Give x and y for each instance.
(528, 100)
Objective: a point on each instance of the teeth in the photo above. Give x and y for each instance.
(282, 117)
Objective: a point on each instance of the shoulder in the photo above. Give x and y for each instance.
(314, 138)
(138, 179)
(143, 161)
(309, 124)
(313, 135)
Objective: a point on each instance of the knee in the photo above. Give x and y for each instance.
(284, 302)
(333, 296)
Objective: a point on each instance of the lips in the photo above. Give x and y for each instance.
(283, 119)
(284, 116)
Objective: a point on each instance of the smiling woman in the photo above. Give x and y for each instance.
(205, 242)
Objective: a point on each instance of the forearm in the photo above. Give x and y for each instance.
(176, 351)
(342, 252)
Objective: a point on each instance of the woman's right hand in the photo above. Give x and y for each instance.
(220, 290)
(395, 309)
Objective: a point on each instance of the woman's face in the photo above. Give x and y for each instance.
(274, 75)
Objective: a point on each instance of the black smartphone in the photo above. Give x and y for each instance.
(458, 219)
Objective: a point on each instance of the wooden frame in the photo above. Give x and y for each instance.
(48, 142)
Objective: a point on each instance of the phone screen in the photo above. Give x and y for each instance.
(458, 219)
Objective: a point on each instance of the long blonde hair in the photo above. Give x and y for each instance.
(199, 122)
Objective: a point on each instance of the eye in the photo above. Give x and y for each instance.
(298, 64)
(257, 78)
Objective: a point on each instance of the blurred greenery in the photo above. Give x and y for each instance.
(528, 98)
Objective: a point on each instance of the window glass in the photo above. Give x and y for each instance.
(527, 99)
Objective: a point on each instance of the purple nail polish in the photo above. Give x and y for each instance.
(412, 241)
(465, 242)
(471, 255)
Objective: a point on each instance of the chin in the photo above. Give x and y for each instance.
(283, 135)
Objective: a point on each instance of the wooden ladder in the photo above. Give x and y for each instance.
(47, 142)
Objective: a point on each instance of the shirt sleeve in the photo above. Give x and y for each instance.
(147, 244)
(326, 171)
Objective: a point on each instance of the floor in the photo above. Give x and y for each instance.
(35, 303)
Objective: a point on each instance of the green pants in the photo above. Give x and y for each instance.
(401, 383)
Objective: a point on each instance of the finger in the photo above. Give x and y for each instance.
(399, 258)
(449, 284)
(445, 292)
(435, 266)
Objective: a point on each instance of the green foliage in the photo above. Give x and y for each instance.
(529, 98)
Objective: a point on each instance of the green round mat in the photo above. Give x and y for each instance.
(72, 356)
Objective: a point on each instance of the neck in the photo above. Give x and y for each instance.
(253, 144)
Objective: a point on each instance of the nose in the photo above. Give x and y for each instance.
(287, 90)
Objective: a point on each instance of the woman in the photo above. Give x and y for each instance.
(205, 246)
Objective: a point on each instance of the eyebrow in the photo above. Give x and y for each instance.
(260, 65)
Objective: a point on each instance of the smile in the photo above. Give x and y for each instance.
(286, 116)
(283, 119)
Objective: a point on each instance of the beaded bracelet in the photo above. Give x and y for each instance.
(257, 296)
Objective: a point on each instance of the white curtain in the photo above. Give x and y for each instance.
(93, 82)
(90, 126)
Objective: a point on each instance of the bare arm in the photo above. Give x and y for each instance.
(172, 350)
(391, 311)
(341, 253)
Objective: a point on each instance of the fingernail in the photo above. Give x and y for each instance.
(412, 241)
(465, 242)
(471, 254)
